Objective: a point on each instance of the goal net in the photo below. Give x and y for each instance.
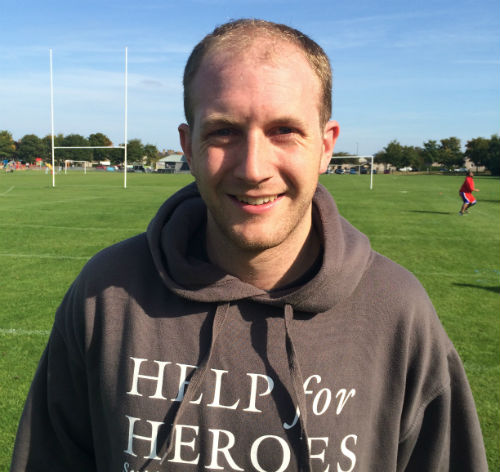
(75, 165)
(360, 161)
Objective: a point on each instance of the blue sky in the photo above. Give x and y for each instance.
(405, 70)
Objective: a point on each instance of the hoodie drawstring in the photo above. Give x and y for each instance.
(199, 374)
(297, 381)
(298, 390)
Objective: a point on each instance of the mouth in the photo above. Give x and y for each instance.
(256, 200)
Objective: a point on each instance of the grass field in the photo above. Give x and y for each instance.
(47, 234)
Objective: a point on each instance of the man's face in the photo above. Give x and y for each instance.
(256, 146)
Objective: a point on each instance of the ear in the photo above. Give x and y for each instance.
(330, 135)
(185, 140)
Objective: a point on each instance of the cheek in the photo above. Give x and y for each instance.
(304, 171)
(217, 162)
(209, 165)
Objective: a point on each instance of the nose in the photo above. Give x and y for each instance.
(254, 159)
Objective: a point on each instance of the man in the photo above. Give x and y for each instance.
(251, 328)
(466, 193)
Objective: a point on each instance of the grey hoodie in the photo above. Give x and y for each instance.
(158, 361)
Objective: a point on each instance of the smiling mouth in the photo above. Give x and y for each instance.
(256, 200)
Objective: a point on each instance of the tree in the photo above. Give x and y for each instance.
(116, 156)
(477, 151)
(30, 147)
(151, 153)
(379, 157)
(75, 140)
(415, 157)
(135, 151)
(450, 153)
(7, 145)
(494, 155)
(100, 139)
(430, 152)
(47, 148)
(393, 154)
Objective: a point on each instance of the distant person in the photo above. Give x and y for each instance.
(251, 328)
(466, 193)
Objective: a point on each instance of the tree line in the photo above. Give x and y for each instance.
(447, 153)
(30, 146)
(481, 151)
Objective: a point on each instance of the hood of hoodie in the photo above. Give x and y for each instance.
(345, 258)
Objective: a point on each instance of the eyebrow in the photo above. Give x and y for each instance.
(216, 120)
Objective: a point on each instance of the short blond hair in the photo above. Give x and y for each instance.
(241, 32)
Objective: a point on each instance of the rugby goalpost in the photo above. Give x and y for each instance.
(124, 147)
(359, 165)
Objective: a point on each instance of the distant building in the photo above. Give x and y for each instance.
(470, 165)
(172, 163)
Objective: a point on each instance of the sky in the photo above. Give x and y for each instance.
(409, 70)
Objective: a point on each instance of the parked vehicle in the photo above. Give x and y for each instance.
(338, 170)
(353, 171)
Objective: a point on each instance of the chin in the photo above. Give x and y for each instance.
(253, 241)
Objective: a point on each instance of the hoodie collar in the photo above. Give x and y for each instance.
(346, 255)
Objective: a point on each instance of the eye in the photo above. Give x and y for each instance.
(284, 130)
(222, 136)
(284, 134)
(223, 133)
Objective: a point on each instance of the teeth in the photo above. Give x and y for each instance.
(256, 201)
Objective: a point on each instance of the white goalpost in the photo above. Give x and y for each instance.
(370, 158)
(124, 147)
(68, 163)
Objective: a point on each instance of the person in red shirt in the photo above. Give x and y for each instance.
(466, 192)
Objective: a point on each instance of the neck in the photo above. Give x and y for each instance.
(267, 269)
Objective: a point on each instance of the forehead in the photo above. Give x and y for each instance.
(269, 72)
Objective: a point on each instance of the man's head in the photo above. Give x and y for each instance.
(258, 138)
(238, 35)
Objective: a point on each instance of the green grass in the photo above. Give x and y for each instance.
(49, 233)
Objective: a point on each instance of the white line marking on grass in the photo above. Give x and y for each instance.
(7, 191)
(24, 332)
(44, 256)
